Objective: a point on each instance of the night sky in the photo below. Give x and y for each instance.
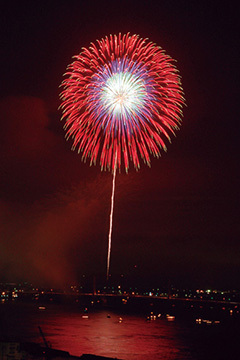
(176, 222)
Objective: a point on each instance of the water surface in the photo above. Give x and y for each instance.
(102, 333)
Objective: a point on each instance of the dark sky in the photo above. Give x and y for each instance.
(176, 222)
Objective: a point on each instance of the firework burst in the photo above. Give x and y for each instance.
(122, 100)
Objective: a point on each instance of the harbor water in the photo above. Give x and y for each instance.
(126, 336)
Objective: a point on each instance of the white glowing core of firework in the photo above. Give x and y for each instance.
(123, 93)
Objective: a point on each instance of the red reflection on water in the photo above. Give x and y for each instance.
(132, 339)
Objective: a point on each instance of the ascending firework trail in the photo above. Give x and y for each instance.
(122, 99)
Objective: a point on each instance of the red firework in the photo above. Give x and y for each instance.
(122, 100)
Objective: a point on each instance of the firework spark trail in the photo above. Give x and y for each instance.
(110, 221)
